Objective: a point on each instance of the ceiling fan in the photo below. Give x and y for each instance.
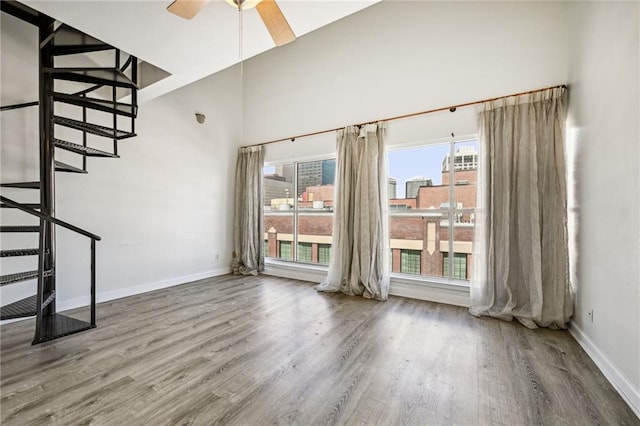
(268, 10)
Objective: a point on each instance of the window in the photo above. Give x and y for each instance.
(432, 212)
(324, 253)
(285, 250)
(298, 208)
(432, 194)
(304, 252)
(410, 262)
(459, 265)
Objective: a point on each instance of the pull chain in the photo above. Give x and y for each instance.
(241, 53)
(240, 38)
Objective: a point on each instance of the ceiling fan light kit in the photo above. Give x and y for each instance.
(243, 4)
(269, 12)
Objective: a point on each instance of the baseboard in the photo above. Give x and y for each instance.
(616, 378)
(106, 296)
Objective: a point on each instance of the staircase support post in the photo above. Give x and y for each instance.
(47, 162)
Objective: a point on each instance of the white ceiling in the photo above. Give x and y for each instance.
(188, 49)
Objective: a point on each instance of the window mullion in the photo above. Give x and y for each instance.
(295, 212)
(452, 156)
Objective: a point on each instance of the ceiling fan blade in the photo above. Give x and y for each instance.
(187, 9)
(275, 22)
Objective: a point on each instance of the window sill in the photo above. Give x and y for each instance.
(424, 288)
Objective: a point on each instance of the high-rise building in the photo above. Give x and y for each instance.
(393, 185)
(286, 171)
(276, 187)
(328, 172)
(466, 158)
(412, 186)
(315, 173)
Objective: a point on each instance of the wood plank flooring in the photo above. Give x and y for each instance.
(265, 350)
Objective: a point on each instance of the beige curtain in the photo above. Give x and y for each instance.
(248, 236)
(360, 248)
(521, 267)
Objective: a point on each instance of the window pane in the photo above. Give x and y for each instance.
(278, 199)
(284, 251)
(416, 178)
(278, 188)
(309, 204)
(315, 207)
(410, 262)
(315, 229)
(304, 252)
(465, 178)
(459, 265)
(324, 253)
(315, 185)
(422, 215)
(419, 206)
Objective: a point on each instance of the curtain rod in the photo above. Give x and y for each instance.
(451, 108)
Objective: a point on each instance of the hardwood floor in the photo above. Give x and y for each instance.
(265, 350)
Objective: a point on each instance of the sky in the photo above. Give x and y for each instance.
(405, 164)
(426, 161)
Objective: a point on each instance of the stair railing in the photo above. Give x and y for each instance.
(18, 106)
(46, 220)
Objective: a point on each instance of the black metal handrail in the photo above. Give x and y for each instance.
(17, 106)
(42, 304)
(49, 218)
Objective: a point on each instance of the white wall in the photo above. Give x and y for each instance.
(400, 57)
(604, 77)
(164, 209)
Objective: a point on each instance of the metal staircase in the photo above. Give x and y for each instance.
(71, 100)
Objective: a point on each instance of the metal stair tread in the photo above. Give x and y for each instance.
(83, 150)
(19, 228)
(21, 276)
(94, 129)
(119, 108)
(105, 76)
(19, 252)
(23, 185)
(19, 309)
(64, 167)
(67, 40)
